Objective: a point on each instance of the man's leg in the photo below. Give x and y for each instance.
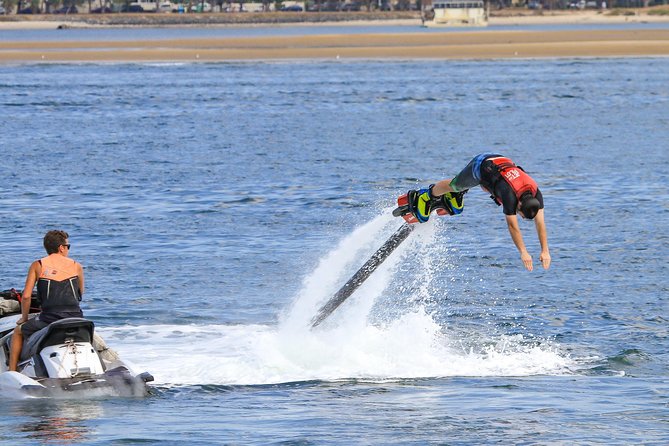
(465, 180)
(470, 176)
(21, 332)
(15, 349)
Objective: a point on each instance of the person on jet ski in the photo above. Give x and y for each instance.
(509, 186)
(60, 285)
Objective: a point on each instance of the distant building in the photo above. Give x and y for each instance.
(455, 13)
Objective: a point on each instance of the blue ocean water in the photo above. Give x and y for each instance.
(215, 207)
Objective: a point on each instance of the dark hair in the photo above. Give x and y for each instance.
(529, 205)
(53, 240)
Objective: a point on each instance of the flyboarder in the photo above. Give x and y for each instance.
(509, 186)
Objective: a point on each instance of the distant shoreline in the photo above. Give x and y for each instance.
(462, 45)
(500, 18)
(470, 43)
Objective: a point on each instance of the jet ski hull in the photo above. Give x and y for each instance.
(66, 358)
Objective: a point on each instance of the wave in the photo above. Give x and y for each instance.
(411, 347)
(352, 344)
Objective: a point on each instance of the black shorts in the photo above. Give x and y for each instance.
(32, 326)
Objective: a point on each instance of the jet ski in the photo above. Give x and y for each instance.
(63, 358)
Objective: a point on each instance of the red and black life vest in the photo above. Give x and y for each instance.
(514, 176)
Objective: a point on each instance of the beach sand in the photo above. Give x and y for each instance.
(475, 44)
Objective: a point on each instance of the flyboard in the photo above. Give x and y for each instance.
(403, 210)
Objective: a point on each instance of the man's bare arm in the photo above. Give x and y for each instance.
(517, 237)
(540, 224)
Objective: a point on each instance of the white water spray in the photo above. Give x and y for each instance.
(346, 345)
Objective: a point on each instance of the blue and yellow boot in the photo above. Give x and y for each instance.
(455, 202)
(420, 204)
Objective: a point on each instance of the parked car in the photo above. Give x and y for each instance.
(351, 7)
(71, 9)
(102, 10)
(28, 10)
(3, 10)
(200, 7)
(292, 8)
(167, 7)
(132, 8)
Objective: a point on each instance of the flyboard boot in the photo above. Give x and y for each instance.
(416, 205)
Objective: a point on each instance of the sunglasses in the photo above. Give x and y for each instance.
(67, 246)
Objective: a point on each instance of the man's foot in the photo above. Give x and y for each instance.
(420, 204)
(455, 201)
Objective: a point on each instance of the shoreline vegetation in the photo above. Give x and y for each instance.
(471, 43)
(511, 16)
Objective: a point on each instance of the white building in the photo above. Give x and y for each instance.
(456, 13)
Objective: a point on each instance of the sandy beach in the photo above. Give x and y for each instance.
(475, 44)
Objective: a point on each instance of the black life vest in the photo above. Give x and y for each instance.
(58, 285)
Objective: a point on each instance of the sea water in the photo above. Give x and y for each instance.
(216, 207)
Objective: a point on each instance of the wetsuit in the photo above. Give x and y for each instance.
(483, 171)
(59, 292)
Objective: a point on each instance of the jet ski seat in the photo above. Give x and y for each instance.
(73, 328)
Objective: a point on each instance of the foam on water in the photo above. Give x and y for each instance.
(347, 345)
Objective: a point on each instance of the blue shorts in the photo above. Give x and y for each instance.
(470, 176)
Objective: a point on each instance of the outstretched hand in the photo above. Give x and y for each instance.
(545, 258)
(527, 260)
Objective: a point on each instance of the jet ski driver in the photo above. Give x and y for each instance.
(60, 285)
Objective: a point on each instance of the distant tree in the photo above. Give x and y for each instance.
(9, 4)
